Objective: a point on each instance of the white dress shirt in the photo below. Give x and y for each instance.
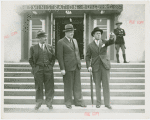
(41, 45)
(68, 38)
(97, 42)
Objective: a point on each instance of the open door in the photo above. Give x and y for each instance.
(78, 33)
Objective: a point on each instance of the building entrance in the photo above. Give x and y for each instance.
(78, 33)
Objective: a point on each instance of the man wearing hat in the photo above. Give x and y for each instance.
(42, 60)
(98, 63)
(120, 43)
(70, 65)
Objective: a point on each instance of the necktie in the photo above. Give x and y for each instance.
(71, 41)
(97, 42)
(42, 47)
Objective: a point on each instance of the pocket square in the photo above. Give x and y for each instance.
(103, 45)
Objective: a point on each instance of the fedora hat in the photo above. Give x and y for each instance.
(69, 27)
(95, 30)
(41, 33)
(118, 22)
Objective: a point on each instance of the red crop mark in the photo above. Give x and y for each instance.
(12, 34)
(87, 114)
(140, 22)
(132, 21)
(6, 36)
(95, 114)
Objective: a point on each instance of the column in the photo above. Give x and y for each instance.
(90, 28)
(47, 28)
(84, 35)
(114, 26)
(51, 29)
(22, 39)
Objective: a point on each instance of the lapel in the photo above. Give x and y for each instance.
(94, 46)
(100, 45)
(36, 51)
(46, 46)
(75, 44)
(68, 43)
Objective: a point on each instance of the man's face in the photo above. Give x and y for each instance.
(42, 40)
(97, 35)
(118, 25)
(70, 34)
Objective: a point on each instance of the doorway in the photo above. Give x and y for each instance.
(78, 33)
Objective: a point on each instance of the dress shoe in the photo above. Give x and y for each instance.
(108, 106)
(69, 106)
(38, 105)
(98, 106)
(81, 105)
(50, 106)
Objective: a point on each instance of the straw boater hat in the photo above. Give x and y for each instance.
(69, 27)
(95, 30)
(41, 33)
(118, 23)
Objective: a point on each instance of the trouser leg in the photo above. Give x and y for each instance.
(39, 77)
(124, 54)
(105, 84)
(117, 46)
(49, 85)
(77, 92)
(68, 86)
(117, 56)
(97, 80)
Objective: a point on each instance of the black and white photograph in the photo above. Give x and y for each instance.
(75, 59)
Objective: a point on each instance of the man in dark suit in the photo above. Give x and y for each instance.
(70, 65)
(42, 60)
(100, 65)
(120, 43)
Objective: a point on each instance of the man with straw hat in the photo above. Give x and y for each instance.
(70, 65)
(42, 60)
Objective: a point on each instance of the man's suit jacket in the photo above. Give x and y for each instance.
(68, 56)
(97, 54)
(34, 54)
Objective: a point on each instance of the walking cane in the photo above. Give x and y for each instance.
(91, 84)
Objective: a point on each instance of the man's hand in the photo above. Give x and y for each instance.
(112, 35)
(63, 72)
(90, 69)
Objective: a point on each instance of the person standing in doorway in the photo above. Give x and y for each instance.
(70, 65)
(42, 60)
(98, 63)
(120, 43)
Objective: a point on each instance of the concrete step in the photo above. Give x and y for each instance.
(138, 93)
(92, 110)
(83, 80)
(113, 65)
(57, 69)
(84, 86)
(83, 74)
(60, 100)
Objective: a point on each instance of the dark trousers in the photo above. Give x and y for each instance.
(44, 75)
(118, 46)
(102, 75)
(72, 84)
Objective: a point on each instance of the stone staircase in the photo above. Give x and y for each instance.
(127, 87)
